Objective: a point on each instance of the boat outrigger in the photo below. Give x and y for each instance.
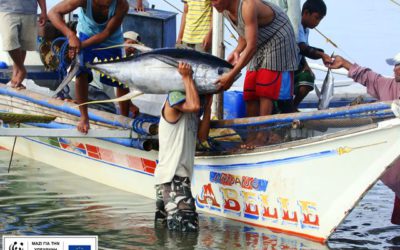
(304, 183)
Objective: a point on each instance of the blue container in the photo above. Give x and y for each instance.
(234, 106)
(156, 28)
(3, 65)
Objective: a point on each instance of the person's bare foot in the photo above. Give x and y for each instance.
(261, 139)
(13, 81)
(258, 140)
(83, 125)
(134, 110)
(20, 75)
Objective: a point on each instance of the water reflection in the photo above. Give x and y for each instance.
(37, 199)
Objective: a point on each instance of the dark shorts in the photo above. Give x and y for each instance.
(275, 85)
(303, 78)
(88, 55)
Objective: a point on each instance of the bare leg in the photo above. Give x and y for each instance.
(252, 110)
(266, 137)
(126, 106)
(19, 71)
(81, 92)
(302, 93)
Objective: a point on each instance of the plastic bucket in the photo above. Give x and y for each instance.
(234, 106)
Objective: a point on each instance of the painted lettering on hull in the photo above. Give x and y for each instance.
(248, 197)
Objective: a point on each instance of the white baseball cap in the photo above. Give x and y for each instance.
(131, 35)
(395, 60)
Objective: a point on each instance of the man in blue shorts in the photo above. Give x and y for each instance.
(99, 26)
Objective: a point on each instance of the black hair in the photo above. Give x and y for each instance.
(313, 6)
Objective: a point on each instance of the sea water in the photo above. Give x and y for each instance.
(38, 199)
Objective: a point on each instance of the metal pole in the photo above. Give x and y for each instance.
(218, 49)
(12, 153)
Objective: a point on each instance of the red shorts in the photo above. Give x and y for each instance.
(274, 85)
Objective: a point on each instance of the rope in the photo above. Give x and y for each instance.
(395, 2)
(328, 40)
(61, 55)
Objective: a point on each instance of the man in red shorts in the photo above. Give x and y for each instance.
(267, 45)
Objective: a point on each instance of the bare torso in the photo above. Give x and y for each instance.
(265, 14)
(99, 12)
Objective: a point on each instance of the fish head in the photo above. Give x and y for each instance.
(206, 76)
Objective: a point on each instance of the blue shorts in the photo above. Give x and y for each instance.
(88, 55)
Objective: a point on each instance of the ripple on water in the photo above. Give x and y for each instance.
(37, 199)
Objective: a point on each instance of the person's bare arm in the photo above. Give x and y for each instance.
(207, 41)
(59, 10)
(114, 23)
(192, 101)
(183, 23)
(204, 125)
(249, 14)
(43, 12)
(56, 17)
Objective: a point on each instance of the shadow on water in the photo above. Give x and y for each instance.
(36, 199)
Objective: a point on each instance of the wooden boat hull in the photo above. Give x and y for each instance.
(305, 188)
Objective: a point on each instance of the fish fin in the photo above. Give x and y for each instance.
(137, 46)
(166, 59)
(317, 91)
(71, 74)
(132, 94)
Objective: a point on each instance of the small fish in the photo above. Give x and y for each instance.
(326, 94)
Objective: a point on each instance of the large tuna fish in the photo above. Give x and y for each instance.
(155, 72)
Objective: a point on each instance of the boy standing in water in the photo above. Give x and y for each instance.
(312, 13)
(267, 45)
(99, 26)
(179, 128)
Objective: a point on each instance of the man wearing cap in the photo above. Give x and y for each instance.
(131, 37)
(384, 89)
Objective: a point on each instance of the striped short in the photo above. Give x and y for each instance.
(275, 85)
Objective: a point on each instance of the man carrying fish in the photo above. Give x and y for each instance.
(267, 45)
(99, 26)
(384, 89)
(179, 127)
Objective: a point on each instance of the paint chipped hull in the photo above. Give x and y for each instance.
(304, 188)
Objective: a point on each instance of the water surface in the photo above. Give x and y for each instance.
(37, 199)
